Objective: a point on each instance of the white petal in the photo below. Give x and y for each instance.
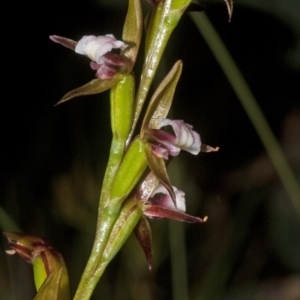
(96, 46)
(186, 138)
(167, 201)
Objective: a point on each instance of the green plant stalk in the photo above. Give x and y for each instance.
(251, 107)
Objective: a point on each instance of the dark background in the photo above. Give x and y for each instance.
(53, 158)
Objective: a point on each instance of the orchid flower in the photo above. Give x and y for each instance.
(110, 67)
(161, 197)
(156, 202)
(98, 49)
(160, 144)
(161, 205)
(164, 144)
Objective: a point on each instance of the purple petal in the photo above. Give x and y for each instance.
(63, 41)
(103, 71)
(110, 66)
(163, 143)
(156, 211)
(161, 152)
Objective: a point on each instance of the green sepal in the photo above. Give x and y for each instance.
(39, 272)
(51, 263)
(162, 98)
(132, 30)
(51, 288)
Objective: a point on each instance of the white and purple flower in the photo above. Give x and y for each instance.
(98, 48)
(161, 205)
(185, 138)
(160, 196)
(165, 144)
(95, 47)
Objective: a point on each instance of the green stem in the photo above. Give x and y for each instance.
(251, 107)
(116, 154)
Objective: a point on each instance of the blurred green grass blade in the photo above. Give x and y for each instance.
(230, 246)
(250, 105)
(180, 290)
(178, 261)
(6, 222)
